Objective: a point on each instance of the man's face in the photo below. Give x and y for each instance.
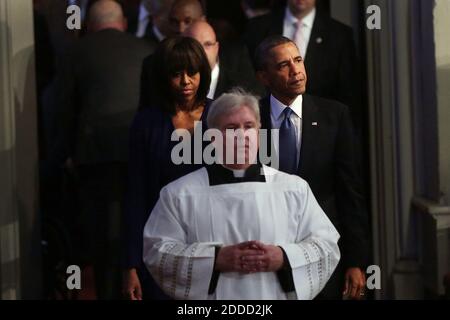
(240, 131)
(301, 6)
(284, 73)
(207, 38)
(183, 15)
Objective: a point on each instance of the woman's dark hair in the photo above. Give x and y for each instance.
(177, 54)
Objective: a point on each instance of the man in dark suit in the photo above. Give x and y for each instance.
(229, 67)
(326, 45)
(316, 143)
(97, 95)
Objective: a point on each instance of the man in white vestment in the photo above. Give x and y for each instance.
(239, 230)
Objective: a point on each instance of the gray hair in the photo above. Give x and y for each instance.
(229, 102)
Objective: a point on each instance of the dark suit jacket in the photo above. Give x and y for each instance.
(236, 69)
(97, 96)
(330, 62)
(327, 163)
(131, 11)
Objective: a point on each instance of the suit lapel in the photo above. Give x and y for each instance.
(266, 123)
(310, 125)
(316, 42)
(264, 107)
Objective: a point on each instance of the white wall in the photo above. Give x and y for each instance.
(442, 41)
(20, 264)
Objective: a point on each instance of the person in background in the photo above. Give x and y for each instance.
(183, 13)
(326, 46)
(225, 72)
(150, 20)
(181, 76)
(316, 142)
(96, 98)
(234, 61)
(256, 8)
(236, 229)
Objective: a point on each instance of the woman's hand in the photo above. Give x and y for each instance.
(131, 285)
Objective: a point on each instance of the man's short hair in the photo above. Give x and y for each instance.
(229, 102)
(262, 51)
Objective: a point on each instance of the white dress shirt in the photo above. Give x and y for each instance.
(214, 79)
(289, 28)
(143, 20)
(277, 117)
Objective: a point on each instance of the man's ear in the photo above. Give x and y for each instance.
(262, 77)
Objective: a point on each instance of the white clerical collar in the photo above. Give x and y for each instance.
(307, 21)
(237, 173)
(277, 107)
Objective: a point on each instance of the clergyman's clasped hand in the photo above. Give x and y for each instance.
(249, 257)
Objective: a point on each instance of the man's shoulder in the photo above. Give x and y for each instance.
(257, 22)
(188, 183)
(110, 37)
(325, 105)
(338, 26)
(137, 45)
(290, 181)
(339, 33)
(268, 18)
(141, 42)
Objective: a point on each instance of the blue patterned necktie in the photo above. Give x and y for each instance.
(288, 144)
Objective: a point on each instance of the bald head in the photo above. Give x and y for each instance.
(106, 14)
(183, 13)
(204, 33)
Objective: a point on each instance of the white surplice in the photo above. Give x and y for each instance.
(191, 218)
